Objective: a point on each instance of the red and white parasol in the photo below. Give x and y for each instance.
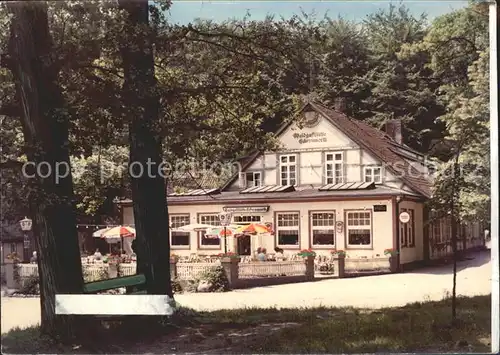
(117, 233)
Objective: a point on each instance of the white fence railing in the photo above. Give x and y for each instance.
(354, 265)
(275, 268)
(190, 271)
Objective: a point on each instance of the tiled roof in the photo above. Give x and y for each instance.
(374, 141)
(194, 181)
(380, 145)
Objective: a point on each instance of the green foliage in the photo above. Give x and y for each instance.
(101, 274)
(176, 286)
(224, 87)
(30, 286)
(460, 41)
(216, 276)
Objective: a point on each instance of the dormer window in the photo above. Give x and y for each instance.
(334, 168)
(288, 169)
(253, 179)
(373, 174)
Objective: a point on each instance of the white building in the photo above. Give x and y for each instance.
(336, 183)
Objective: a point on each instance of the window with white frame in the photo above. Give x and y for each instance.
(359, 231)
(211, 219)
(246, 219)
(288, 169)
(287, 229)
(323, 228)
(407, 230)
(373, 174)
(177, 238)
(334, 168)
(253, 179)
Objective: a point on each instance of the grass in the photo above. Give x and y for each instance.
(418, 327)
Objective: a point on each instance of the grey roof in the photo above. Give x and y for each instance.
(373, 140)
(309, 194)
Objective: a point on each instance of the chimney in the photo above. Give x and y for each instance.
(340, 104)
(394, 129)
(169, 189)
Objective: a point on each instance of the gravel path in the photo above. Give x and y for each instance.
(473, 278)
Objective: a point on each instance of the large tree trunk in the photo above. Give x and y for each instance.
(45, 127)
(148, 187)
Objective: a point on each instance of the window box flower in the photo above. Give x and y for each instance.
(229, 257)
(391, 252)
(229, 254)
(306, 252)
(338, 253)
(13, 258)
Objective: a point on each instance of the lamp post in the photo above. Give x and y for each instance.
(26, 224)
(399, 199)
(225, 220)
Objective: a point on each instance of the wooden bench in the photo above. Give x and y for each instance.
(135, 302)
(134, 284)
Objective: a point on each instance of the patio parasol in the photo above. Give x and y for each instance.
(118, 234)
(253, 228)
(98, 234)
(221, 231)
(194, 227)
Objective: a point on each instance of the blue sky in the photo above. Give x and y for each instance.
(185, 11)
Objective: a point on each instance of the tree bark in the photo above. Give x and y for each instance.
(148, 185)
(454, 231)
(45, 128)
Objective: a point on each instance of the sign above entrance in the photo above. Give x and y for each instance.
(255, 209)
(404, 217)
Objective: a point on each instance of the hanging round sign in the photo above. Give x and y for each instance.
(404, 217)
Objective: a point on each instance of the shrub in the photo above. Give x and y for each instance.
(31, 286)
(188, 285)
(216, 277)
(176, 286)
(327, 267)
(88, 276)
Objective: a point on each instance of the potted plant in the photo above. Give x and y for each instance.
(306, 252)
(173, 258)
(13, 258)
(338, 253)
(229, 256)
(393, 261)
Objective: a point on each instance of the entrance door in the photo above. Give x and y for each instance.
(244, 245)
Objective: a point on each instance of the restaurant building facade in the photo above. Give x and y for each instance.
(336, 183)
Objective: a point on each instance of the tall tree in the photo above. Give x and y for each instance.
(401, 87)
(462, 188)
(148, 187)
(45, 128)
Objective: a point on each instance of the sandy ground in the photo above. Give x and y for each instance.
(473, 278)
